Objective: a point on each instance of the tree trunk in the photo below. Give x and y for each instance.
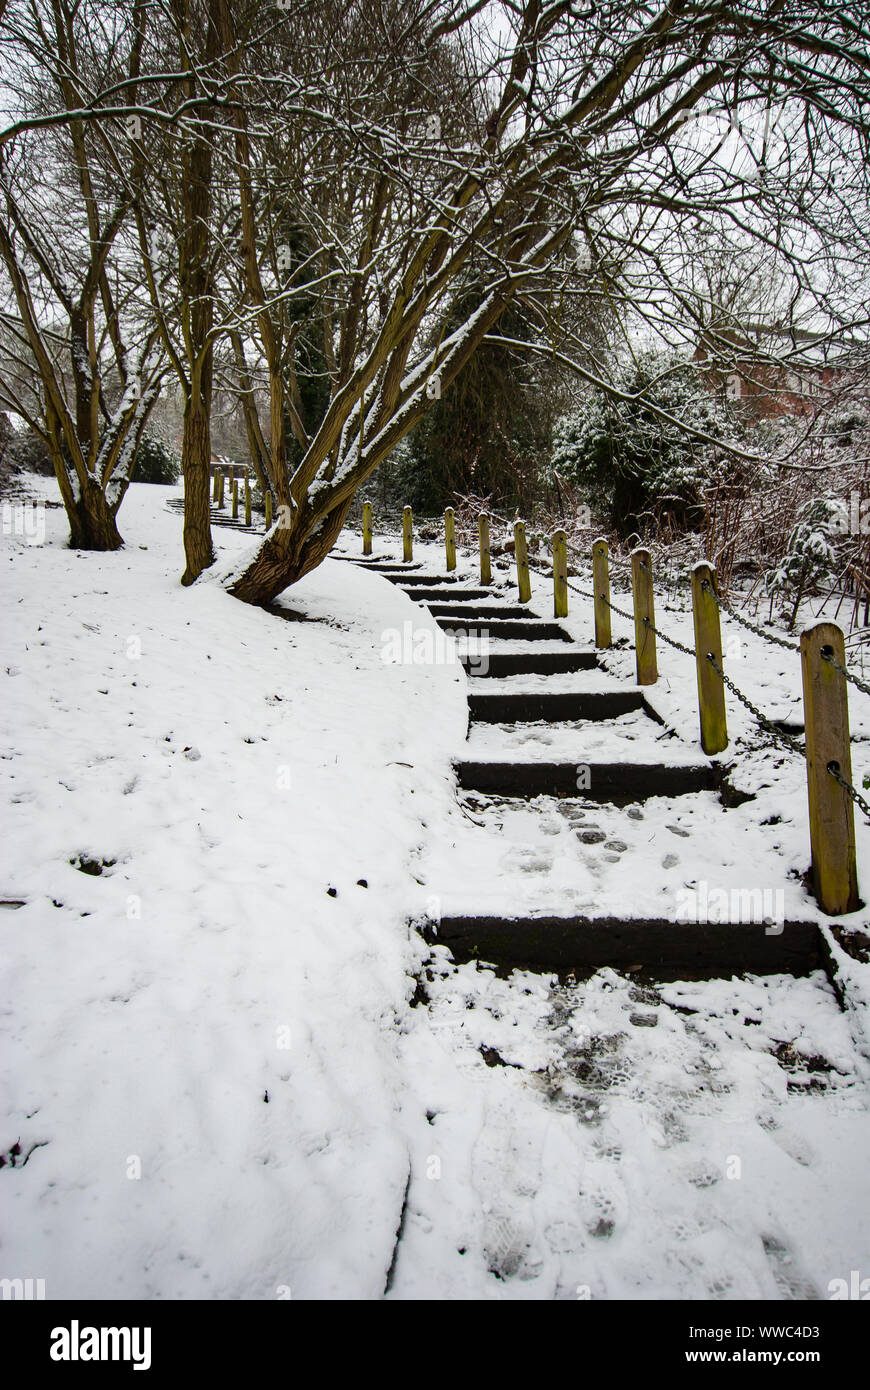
(196, 458)
(287, 554)
(92, 523)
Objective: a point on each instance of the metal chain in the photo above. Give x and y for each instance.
(852, 791)
(621, 611)
(585, 593)
(785, 740)
(671, 641)
(738, 617)
(862, 685)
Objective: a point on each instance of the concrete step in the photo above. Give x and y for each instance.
(520, 629)
(534, 706)
(657, 948)
(543, 663)
(598, 781)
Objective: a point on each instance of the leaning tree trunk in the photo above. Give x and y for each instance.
(287, 553)
(196, 459)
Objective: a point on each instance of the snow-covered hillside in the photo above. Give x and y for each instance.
(232, 1068)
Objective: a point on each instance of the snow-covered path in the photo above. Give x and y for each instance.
(233, 1070)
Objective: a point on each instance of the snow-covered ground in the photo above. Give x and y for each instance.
(233, 1071)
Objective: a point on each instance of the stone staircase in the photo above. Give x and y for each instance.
(579, 800)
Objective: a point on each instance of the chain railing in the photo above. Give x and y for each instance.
(745, 622)
(844, 671)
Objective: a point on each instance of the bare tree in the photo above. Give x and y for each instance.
(79, 366)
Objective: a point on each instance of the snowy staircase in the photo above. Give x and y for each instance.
(221, 516)
(577, 798)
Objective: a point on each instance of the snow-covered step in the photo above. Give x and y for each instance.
(481, 611)
(543, 883)
(656, 947)
(392, 568)
(601, 779)
(528, 658)
(404, 577)
(631, 735)
(432, 588)
(497, 630)
(590, 678)
(536, 706)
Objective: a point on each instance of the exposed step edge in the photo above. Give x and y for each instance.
(459, 610)
(616, 782)
(532, 663)
(536, 706)
(433, 594)
(392, 568)
(403, 577)
(509, 629)
(657, 948)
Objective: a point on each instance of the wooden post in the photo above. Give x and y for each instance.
(247, 500)
(214, 491)
(221, 489)
(521, 552)
(407, 534)
(560, 574)
(832, 818)
(235, 499)
(367, 528)
(268, 509)
(601, 589)
(708, 641)
(645, 661)
(485, 552)
(450, 538)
